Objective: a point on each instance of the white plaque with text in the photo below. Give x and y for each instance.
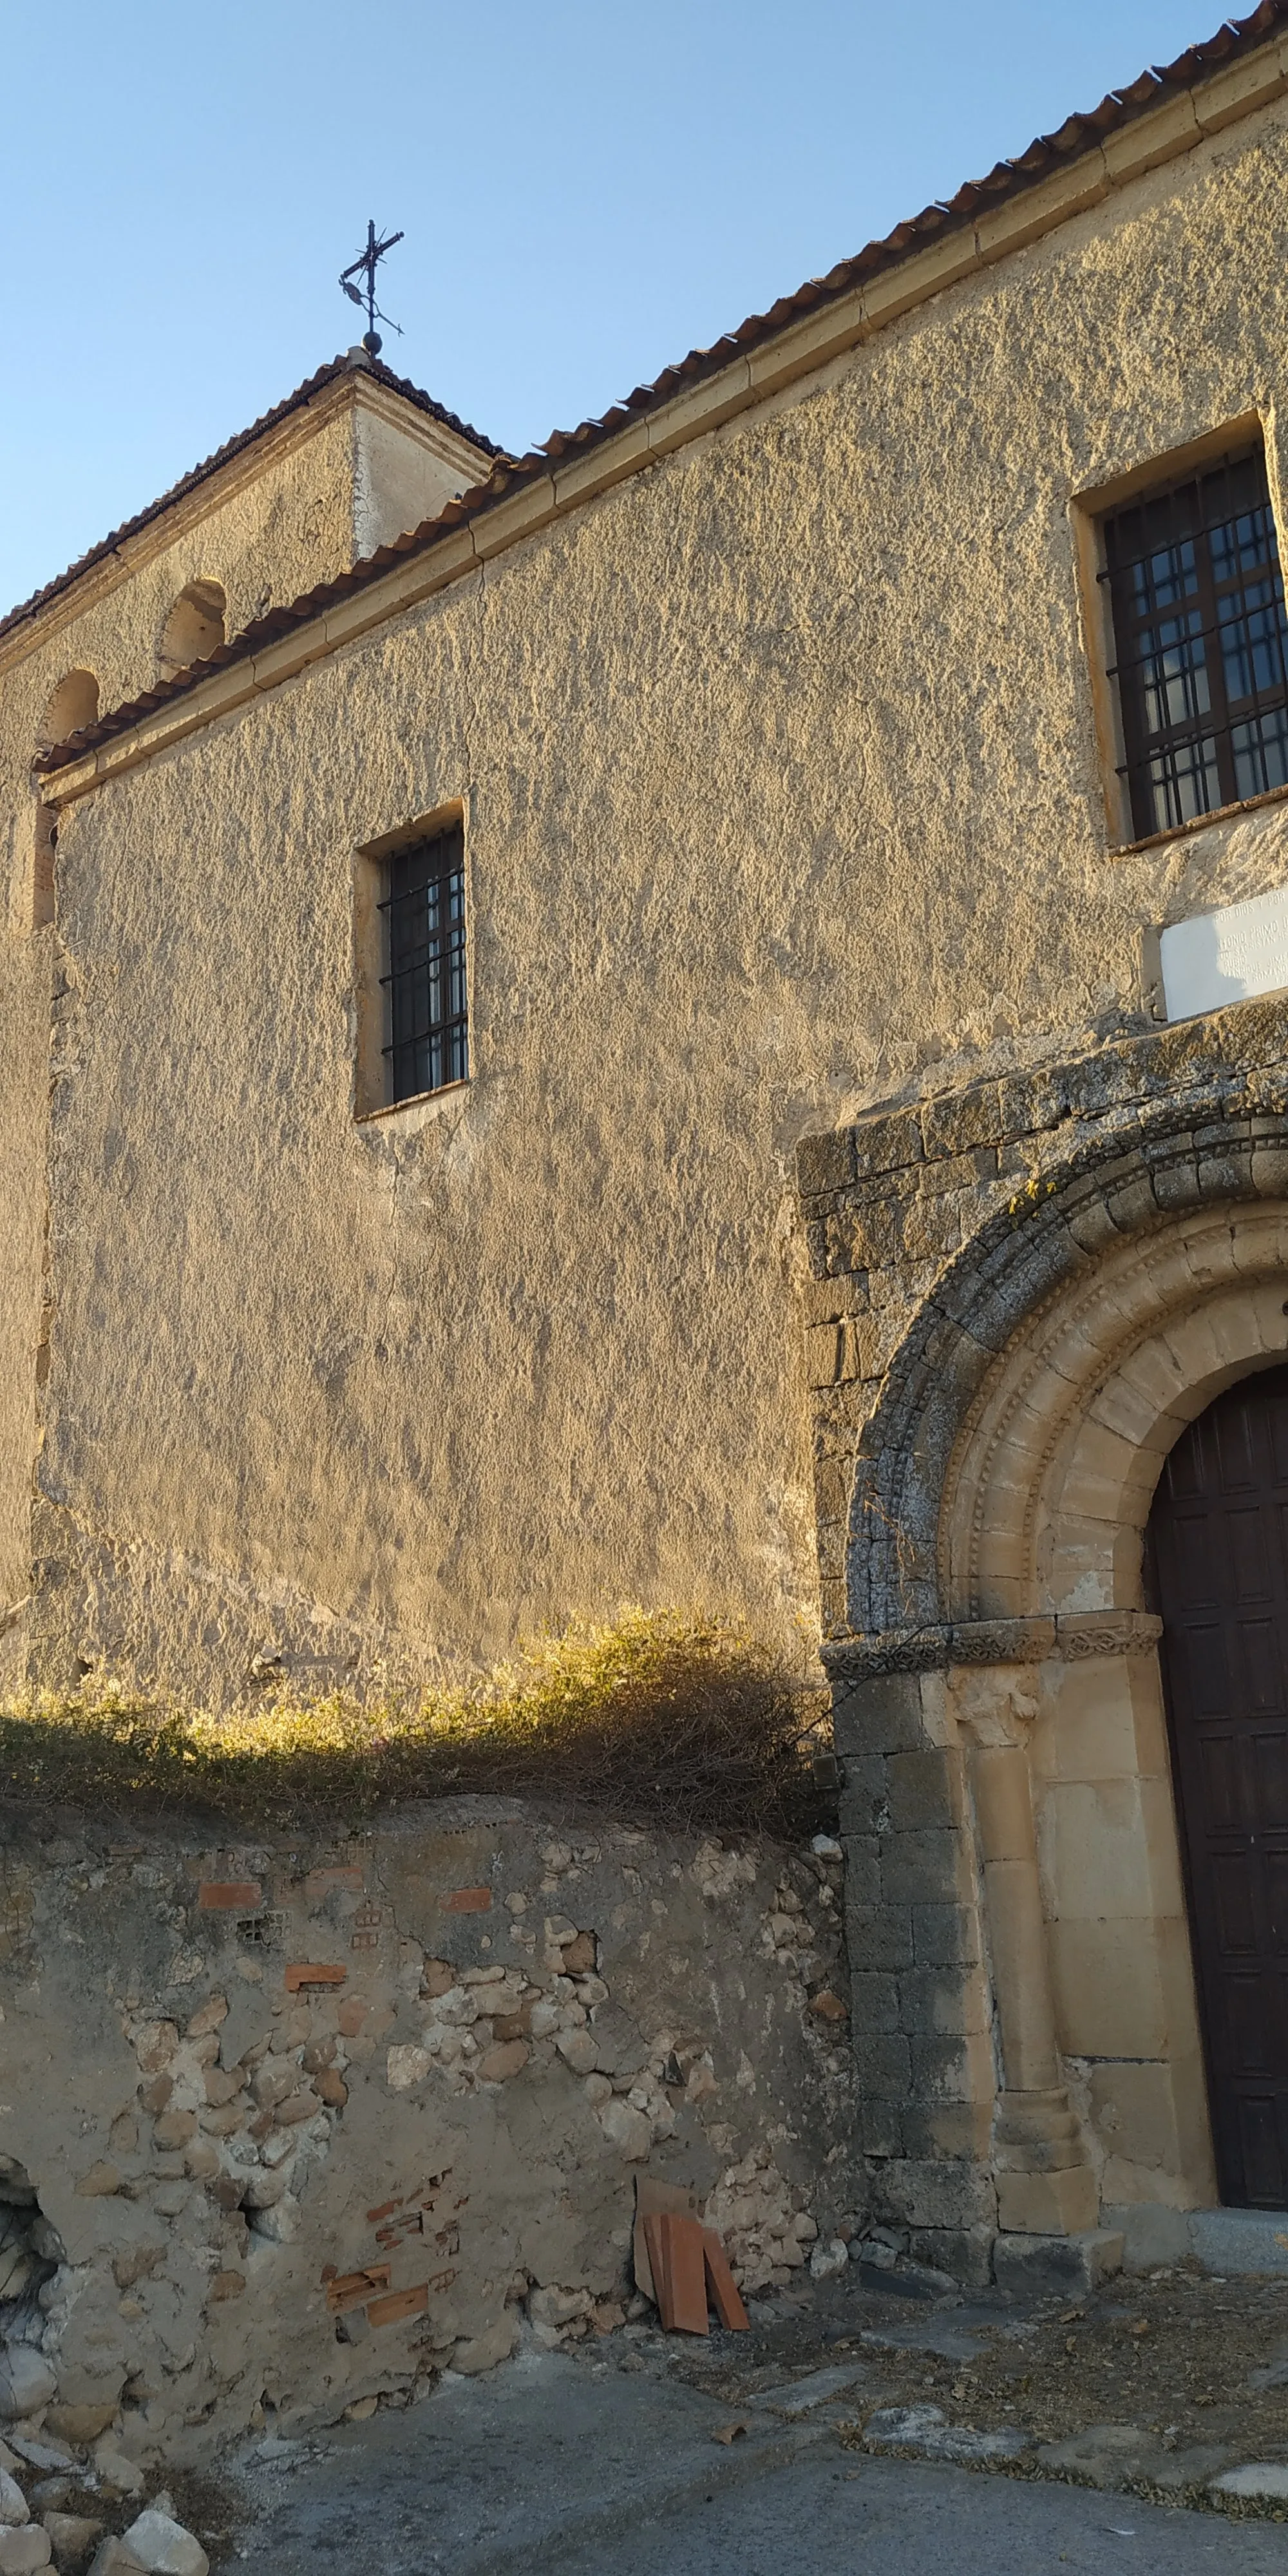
(1227, 956)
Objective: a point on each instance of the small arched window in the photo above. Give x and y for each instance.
(73, 705)
(194, 627)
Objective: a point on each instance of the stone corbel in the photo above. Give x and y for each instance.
(1045, 2185)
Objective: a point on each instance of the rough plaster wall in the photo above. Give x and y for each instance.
(266, 539)
(400, 479)
(207, 2142)
(782, 789)
(24, 1099)
(290, 528)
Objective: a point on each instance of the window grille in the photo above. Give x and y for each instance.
(427, 1019)
(1202, 643)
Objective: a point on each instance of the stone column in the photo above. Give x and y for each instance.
(1045, 2186)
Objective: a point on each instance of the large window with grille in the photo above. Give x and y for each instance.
(1201, 643)
(426, 1008)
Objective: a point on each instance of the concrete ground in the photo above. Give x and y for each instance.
(609, 2460)
(905, 2518)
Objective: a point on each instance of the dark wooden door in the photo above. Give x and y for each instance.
(1218, 1552)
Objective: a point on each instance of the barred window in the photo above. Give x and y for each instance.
(427, 1031)
(1201, 643)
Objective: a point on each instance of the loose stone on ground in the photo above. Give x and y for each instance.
(923, 2430)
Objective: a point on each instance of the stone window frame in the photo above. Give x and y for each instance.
(370, 1008)
(1090, 508)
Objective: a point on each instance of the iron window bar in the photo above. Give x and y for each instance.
(426, 999)
(1202, 643)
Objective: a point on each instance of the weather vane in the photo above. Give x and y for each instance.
(367, 264)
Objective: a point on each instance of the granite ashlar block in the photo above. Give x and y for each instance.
(919, 1788)
(878, 1716)
(879, 1937)
(922, 1868)
(882, 2064)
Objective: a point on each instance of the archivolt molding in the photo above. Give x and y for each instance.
(1007, 1470)
(1050, 1483)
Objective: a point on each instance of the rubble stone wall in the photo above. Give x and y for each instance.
(287, 2128)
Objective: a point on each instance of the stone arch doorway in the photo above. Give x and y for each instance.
(1018, 1906)
(1217, 1569)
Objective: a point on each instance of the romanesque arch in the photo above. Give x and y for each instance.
(1007, 1469)
(1001, 1657)
(1050, 1481)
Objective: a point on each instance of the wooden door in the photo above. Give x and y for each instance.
(1218, 1557)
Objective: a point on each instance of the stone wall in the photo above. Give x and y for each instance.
(935, 1228)
(923, 2005)
(288, 2127)
(25, 972)
(1020, 1293)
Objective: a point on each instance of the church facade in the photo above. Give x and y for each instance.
(691, 1018)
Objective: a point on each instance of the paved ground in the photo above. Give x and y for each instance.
(903, 2518)
(1118, 2410)
(579, 2465)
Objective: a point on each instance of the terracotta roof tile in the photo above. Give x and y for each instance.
(1079, 133)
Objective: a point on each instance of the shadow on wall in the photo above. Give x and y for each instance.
(30, 2253)
(193, 629)
(73, 705)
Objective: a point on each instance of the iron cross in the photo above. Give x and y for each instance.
(367, 263)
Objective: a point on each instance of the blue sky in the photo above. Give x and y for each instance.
(586, 193)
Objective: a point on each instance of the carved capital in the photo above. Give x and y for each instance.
(995, 1706)
(1032, 1640)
